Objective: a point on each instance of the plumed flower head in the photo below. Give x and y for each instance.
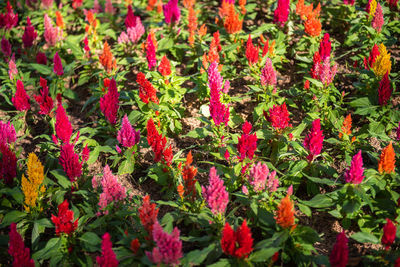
(355, 174)
(44, 100)
(378, 21)
(268, 74)
(41, 58)
(147, 92)
(278, 117)
(107, 258)
(109, 103)
(340, 251)
(113, 191)
(155, 140)
(325, 47)
(58, 68)
(17, 250)
(130, 20)
(64, 222)
(172, 12)
(260, 177)
(148, 215)
(30, 34)
(247, 143)
(281, 12)
(165, 66)
(285, 213)
(21, 99)
(5, 47)
(51, 34)
(346, 127)
(313, 141)
(106, 58)
(8, 164)
(151, 52)
(62, 126)
(382, 64)
(389, 234)
(313, 26)
(127, 136)
(215, 194)
(7, 133)
(251, 52)
(387, 161)
(219, 112)
(239, 243)
(9, 19)
(384, 90)
(69, 160)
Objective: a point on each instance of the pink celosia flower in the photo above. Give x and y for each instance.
(247, 143)
(281, 12)
(58, 68)
(327, 73)
(127, 136)
(398, 132)
(118, 149)
(109, 103)
(123, 38)
(349, 2)
(12, 69)
(340, 251)
(355, 174)
(76, 3)
(289, 191)
(313, 141)
(219, 112)
(85, 153)
(7, 133)
(17, 250)
(96, 7)
(8, 20)
(378, 21)
(21, 99)
(62, 126)
(325, 47)
(51, 34)
(113, 191)
(260, 177)
(385, 90)
(268, 74)
(150, 53)
(108, 8)
(69, 160)
(215, 194)
(245, 190)
(278, 117)
(227, 155)
(227, 86)
(107, 258)
(132, 34)
(169, 247)
(44, 100)
(41, 58)
(214, 77)
(172, 12)
(95, 184)
(29, 35)
(47, 3)
(389, 234)
(5, 47)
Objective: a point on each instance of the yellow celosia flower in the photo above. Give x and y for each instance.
(30, 185)
(372, 8)
(382, 63)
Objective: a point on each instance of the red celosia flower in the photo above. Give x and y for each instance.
(70, 162)
(389, 234)
(130, 20)
(76, 3)
(285, 213)
(146, 90)
(41, 58)
(372, 56)
(17, 250)
(155, 140)
(340, 251)
(239, 243)
(62, 126)
(21, 99)
(107, 258)
(385, 90)
(58, 68)
(165, 67)
(135, 245)
(85, 153)
(8, 20)
(109, 103)
(29, 35)
(188, 174)
(168, 156)
(148, 215)
(325, 47)
(251, 52)
(316, 65)
(8, 164)
(247, 143)
(313, 141)
(44, 100)
(5, 47)
(278, 117)
(151, 52)
(64, 222)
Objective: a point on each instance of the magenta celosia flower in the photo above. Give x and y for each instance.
(107, 258)
(246, 127)
(215, 194)
(108, 8)
(58, 68)
(398, 132)
(349, 2)
(8, 164)
(260, 177)
(327, 73)
(132, 34)
(21, 99)
(355, 174)
(16, 248)
(47, 3)
(109, 103)
(130, 20)
(278, 117)
(247, 143)
(393, 6)
(172, 13)
(113, 191)
(7, 133)
(389, 234)
(313, 141)
(281, 12)
(62, 126)
(169, 246)
(69, 160)
(378, 21)
(44, 100)
(340, 251)
(41, 58)
(219, 112)
(29, 35)
(268, 74)
(85, 153)
(12, 68)
(127, 136)
(51, 34)
(385, 90)
(325, 47)
(5, 47)
(150, 53)
(214, 77)
(9, 19)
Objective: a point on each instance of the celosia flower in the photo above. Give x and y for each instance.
(47, 3)
(107, 258)
(21, 99)
(192, 23)
(44, 100)
(285, 213)
(7, 133)
(260, 176)
(346, 127)
(382, 64)
(8, 164)
(109, 103)
(227, 86)
(372, 57)
(389, 234)
(135, 245)
(377, 21)
(31, 185)
(239, 243)
(148, 215)
(106, 58)
(313, 141)
(146, 90)
(247, 143)
(172, 13)
(16, 248)
(219, 112)
(12, 69)
(385, 90)
(5, 47)
(169, 246)
(59, 20)
(398, 132)
(313, 26)
(76, 3)
(130, 20)
(150, 53)
(251, 52)
(70, 162)
(387, 161)
(355, 174)
(29, 34)
(188, 174)
(340, 251)
(165, 66)
(96, 7)
(268, 74)
(393, 6)
(315, 70)
(8, 20)
(127, 136)
(232, 23)
(62, 126)
(51, 34)
(58, 68)
(327, 73)
(325, 47)
(64, 222)
(281, 12)
(132, 34)
(108, 8)
(278, 117)
(158, 144)
(349, 2)
(215, 194)
(113, 191)
(85, 153)
(371, 8)
(41, 58)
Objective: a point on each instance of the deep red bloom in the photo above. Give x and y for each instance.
(389, 234)
(41, 58)
(5, 47)
(325, 47)
(279, 117)
(316, 65)
(148, 215)
(62, 126)
(385, 90)
(17, 250)
(29, 35)
(155, 140)
(251, 51)
(8, 164)
(313, 141)
(109, 103)
(247, 143)
(146, 90)
(85, 153)
(397, 262)
(58, 68)
(135, 245)
(107, 258)
(8, 20)
(64, 222)
(340, 251)
(165, 66)
(130, 20)
(70, 162)
(21, 99)
(44, 100)
(372, 56)
(239, 243)
(168, 155)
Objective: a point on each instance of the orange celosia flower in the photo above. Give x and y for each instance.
(285, 213)
(181, 190)
(224, 9)
(59, 20)
(107, 59)
(232, 23)
(202, 31)
(188, 174)
(302, 10)
(312, 26)
(151, 4)
(159, 6)
(268, 49)
(242, 5)
(192, 24)
(188, 3)
(346, 128)
(387, 160)
(316, 12)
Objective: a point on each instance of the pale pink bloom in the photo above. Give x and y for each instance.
(260, 177)
(132, 34)
(227, 86)
(47, 3)
(215, 194)
(268, 74)
(355, 174)
(214, 77)
(289, 191)
(12, 69)
(51, 34)
(123, 38)
(113, 191)
(245, 190)
(327, 73)
(109, 7)
(96, 7)
(118, 149)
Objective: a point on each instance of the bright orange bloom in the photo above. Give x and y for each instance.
(224, 9)
(59, 20)
(285, 213)
(107, 59)
(302, 10)
(242, 5)
(312, 26)
(159, 6)
(188, 174)
(316, 12)
(181, 190)
(346, 128)
(192, 24)
(202, 31)
(188, 3)
(151, 4)
(387, 161)
(232, 23)
(268, 49)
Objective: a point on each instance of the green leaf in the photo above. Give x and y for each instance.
(52, 247)
(319, 201)
(127, 166)
(198, 133)
(263, 254)
(196, 257)
(12, 217)
(61, 178)
(38, 228)
(42, 69)
(221, 263)
(363, 237)
(90, 241)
